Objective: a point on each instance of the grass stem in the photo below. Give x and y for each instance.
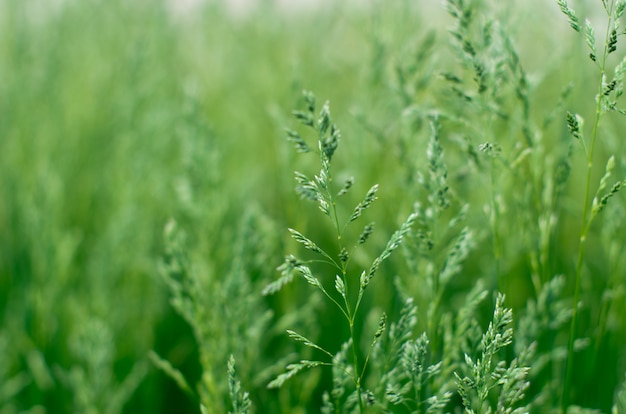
(584, 227)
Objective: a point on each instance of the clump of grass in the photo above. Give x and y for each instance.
(485, 375)
(538, 327)
(92, 379)
(12, 379)
(606, 101)
(405, 374)
(442, 241)
(220, 312)
(111, 127)
(348, 363)
(240, 399)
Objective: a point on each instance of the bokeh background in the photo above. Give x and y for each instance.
(119, 117)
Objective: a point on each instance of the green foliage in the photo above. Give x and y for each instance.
(485, 374)
(147, 201)
(240, 399)
(323, 192)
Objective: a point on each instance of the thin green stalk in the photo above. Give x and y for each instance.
(584, 229)
(351, 317)
(606, 304)
(433, 322)
(356, 367)
(348, 313)
(494, 223)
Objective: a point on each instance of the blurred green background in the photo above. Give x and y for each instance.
(117, 116)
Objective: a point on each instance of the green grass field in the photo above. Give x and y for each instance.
(453, 239)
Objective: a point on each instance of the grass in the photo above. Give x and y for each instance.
(454, 242)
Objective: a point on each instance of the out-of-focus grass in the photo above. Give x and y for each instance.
(116, 116)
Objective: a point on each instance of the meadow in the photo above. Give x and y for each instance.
(387, 206)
